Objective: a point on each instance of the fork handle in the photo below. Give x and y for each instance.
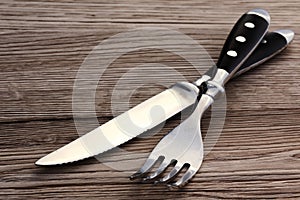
(272, 44)
(245, 36)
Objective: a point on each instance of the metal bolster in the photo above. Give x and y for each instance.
(216, 85)
(201, 80)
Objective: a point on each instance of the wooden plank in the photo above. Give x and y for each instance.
(255, 160)
(42, 46)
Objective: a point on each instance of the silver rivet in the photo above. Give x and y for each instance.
(232, 53)
(264, 41)
(249, 25)
(240, 39)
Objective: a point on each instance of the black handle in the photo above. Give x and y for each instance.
(243, 39)
(272, 44)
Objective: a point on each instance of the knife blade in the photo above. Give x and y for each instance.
(139, 119)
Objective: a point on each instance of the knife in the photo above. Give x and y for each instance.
(173, 100)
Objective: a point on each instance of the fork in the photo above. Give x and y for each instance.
(183, 146)
(179, 147)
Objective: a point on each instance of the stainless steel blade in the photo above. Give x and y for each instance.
(126, 126)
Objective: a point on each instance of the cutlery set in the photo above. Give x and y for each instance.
(248, 45)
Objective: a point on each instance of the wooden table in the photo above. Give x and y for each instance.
(43, 44)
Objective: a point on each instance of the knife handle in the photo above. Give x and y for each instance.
(245, 36)
(272, 44)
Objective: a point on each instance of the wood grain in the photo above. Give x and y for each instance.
(44, 43)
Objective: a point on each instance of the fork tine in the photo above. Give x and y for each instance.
(160, 169)
(184, 179)
(146, 167)
(172, 173)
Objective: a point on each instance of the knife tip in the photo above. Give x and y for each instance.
(40, 162)
(46, 161)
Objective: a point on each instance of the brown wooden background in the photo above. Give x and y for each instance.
(42, 45)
